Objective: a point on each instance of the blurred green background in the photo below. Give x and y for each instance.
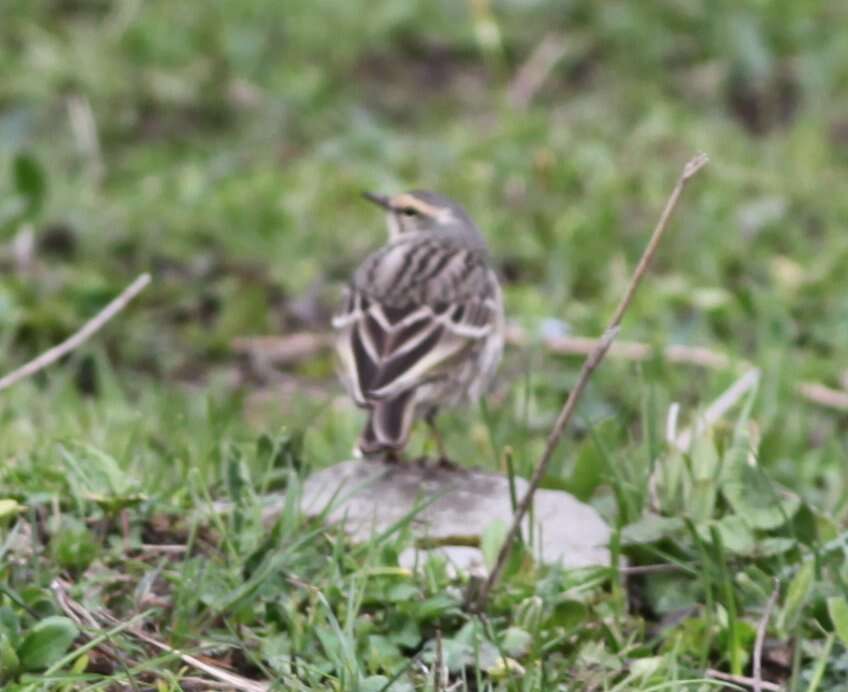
(222, 146)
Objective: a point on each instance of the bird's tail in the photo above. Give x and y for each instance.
(388, 426)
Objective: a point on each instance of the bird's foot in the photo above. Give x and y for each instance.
(440, 462)
(444, 462)
(393, 456)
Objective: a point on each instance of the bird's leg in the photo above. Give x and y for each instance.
(436, 437)
(393, 456)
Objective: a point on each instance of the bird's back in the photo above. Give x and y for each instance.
(426, 269)
(422, 327)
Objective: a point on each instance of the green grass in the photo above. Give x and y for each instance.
(233, 140)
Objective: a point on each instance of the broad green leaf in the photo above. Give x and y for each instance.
(382, 652)
(796, 596)
(436, 606)
(402, 591)
(669, 593)
(516, 642)
(588, 472)
(73, 546)
(505, 668)
(10, 508)
(469, 647)
(10, 625)
(377, 683)
(734, 532)
(752, 495)
(30, 180)
(646, 667)
(404, 631)
(705, 479)
(80, 664)
(673, 480)
(650, 529)
(774, 545)
(528, 615)
(276, 650)
(9, 661)
(837, 608)
(98, 477)
(47, 642)
(492, 540)
(569, 615)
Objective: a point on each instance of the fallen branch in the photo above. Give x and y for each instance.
(716, 410)
(94, 620)
(532, 75)
(236, 682)
(282, 350)
(592, 361)
(686, 355)
(440, 672)
(711, 415)
(742, 680)
(636, 351)
(759, 685)
(824, 396)
(293, 348)
(80, 337)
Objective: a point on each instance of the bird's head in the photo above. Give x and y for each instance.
(420, 210)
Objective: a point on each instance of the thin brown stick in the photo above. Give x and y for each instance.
(761, 638)
(235, 681)
(589, 365)
(281, 350)
(299, 346)
(162, 548)
(676, 353)
(85, 619)
(532, 75)
(741, 680)
(824, 396)
(635, 350)
(438, 666)
(716, 410)
(95, 620)
(634, 570)
(80, 337)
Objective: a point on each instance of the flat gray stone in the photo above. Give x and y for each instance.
(457, 505)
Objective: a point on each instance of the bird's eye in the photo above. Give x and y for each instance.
(408, 211)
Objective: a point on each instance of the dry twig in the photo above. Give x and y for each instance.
(589, 365)
(533, 73)
(661, 568)
(638, 351)
(742, 680)
(80, 337)
(824, 396)
(293, 348)
(716, 410)
(236, 682)
(281, 350)
(761, 638)
(439, 670)
(84, 129)
(83, 617)
(675, 353)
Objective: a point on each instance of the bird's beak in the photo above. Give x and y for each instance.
(379, 200)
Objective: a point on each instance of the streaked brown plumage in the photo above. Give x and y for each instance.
(422, 325)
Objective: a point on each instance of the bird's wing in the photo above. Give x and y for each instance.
(414, 308)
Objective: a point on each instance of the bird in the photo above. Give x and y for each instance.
(421, 325)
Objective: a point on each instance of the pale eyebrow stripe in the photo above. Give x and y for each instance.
(405, 200)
